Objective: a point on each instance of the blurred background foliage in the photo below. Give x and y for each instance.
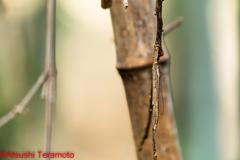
(92, 117)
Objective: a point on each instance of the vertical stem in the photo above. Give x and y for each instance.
(158, 51)
(51, 69)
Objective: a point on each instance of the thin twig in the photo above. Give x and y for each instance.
(105, 4)
(19, 109)
(172, 26)
(158, 52)
(51, 70)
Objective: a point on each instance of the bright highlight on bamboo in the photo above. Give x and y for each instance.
(125, 4)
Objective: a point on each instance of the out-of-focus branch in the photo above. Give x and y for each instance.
(172, 26)
(19, 109)
(51, 70)
(48, 76)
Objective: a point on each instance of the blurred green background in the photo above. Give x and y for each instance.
(92, 117)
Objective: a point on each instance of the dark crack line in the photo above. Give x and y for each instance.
(148, 123)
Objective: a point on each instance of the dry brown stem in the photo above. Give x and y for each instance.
(156, 72)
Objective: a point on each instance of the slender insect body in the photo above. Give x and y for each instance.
(156, 71)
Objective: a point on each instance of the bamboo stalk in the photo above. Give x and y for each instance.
(135, 34)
